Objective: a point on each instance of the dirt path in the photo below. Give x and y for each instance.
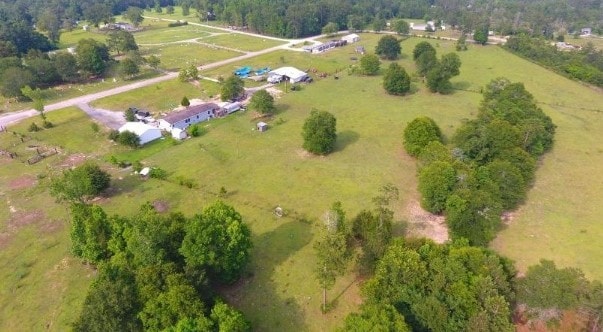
(111, 119)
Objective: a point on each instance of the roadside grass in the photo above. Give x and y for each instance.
(176, 56)
(238, 41)
(67, 91)
(559, 221)
(159, 98)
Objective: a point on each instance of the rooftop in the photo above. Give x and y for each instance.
(189, 112)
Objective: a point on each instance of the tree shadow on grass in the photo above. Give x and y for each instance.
(344, 139)
(462, 85)
(268, 296)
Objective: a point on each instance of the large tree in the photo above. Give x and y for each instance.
(218, 240)
(134, 15)
(332, 250)
(320, 132)
(438, 78)
(121, 41)
(436, 183)
(92, 56)
(97, 12)
(13, 79)
(232, 88)
(420, 132)
(90, 232)
(388, 48)
(262, 102)
(66, 65)
(396, 81)
(80, 183)
(401, 27)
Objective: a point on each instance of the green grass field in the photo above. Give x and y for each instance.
(240, 42)
(559, 221)
(174, 57)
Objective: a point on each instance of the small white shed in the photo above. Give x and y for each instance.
(262, 126)
(178, 133)
(145, 132)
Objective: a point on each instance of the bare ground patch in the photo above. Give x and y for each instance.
(18, 220)
(422, 223)
(73, 160)
(161, 206)
(22, 182)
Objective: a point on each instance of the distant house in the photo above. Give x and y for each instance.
(351, 38)
(189, 116)
(586, 31)
(145, 132)
(429, 26)
(262, 126)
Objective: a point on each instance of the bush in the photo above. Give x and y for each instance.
(47, 124)
(113, 135)
(420, 132)
(195, 130)
(158, 173)
(177, 24)
(185, 102)
(33, 127)
(129, 138)
(95, 127)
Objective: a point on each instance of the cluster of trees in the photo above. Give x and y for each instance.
(490, 165)
(584, 65)
(438, 73)
(156, 272)
(422, 286)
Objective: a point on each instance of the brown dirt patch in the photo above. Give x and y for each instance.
(73, 160)
(161, 206)
(22, 182)
(274, 92)
(422, 223)
(303, 154)
(18, 220)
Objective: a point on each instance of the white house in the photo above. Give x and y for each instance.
(294, 75)
(189, 116)
(351, 38)
(230, 107)
(145, 132)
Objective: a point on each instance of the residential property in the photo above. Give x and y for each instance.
(325, 46)
(262, 126)
(189, 116)
(586, 31)
(351, 38)
(228, 107)
(290, 74)
(145, 132)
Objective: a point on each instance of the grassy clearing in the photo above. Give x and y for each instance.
(174, 57)
(596, 41)
(162, 97)
(241, 42)
(165, 34)
(560, 220)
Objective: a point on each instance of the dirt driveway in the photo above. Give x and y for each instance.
(110, 119)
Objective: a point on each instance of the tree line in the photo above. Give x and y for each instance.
(490, 164)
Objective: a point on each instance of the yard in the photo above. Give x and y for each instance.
(560, 220)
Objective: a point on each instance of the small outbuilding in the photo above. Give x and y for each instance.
(178, 133)
(145, 132)
(262, 126)
(228, 107)
(586, 31)
(351, 38)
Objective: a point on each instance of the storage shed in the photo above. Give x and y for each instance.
(145, 132)
(294, 75)
(351, 38)
(262, 126)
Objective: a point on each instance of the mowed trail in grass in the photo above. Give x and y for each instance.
(263, 170)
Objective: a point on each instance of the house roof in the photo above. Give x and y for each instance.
(290, 72)
(189, 112)
(137, 128)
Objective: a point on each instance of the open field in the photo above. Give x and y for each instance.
(174, 57)
(560, 220)
(582, 41)
(166, 34)
(240, 42)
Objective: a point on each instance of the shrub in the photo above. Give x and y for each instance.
(129, 138)
(185, 102)
(177, 24)
(113, 135)
(33, 127)
(158, 173)
(47, 124)
(420, 132)
(195, 130)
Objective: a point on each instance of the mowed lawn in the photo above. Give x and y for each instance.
(241, 42)
(264, 170)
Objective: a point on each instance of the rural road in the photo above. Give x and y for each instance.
(12, 117)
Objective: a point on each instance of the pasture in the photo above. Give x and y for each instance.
(559, 221)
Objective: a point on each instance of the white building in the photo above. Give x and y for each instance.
(294, 75)
(189, 116)
(145, 132)
(351, 38)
